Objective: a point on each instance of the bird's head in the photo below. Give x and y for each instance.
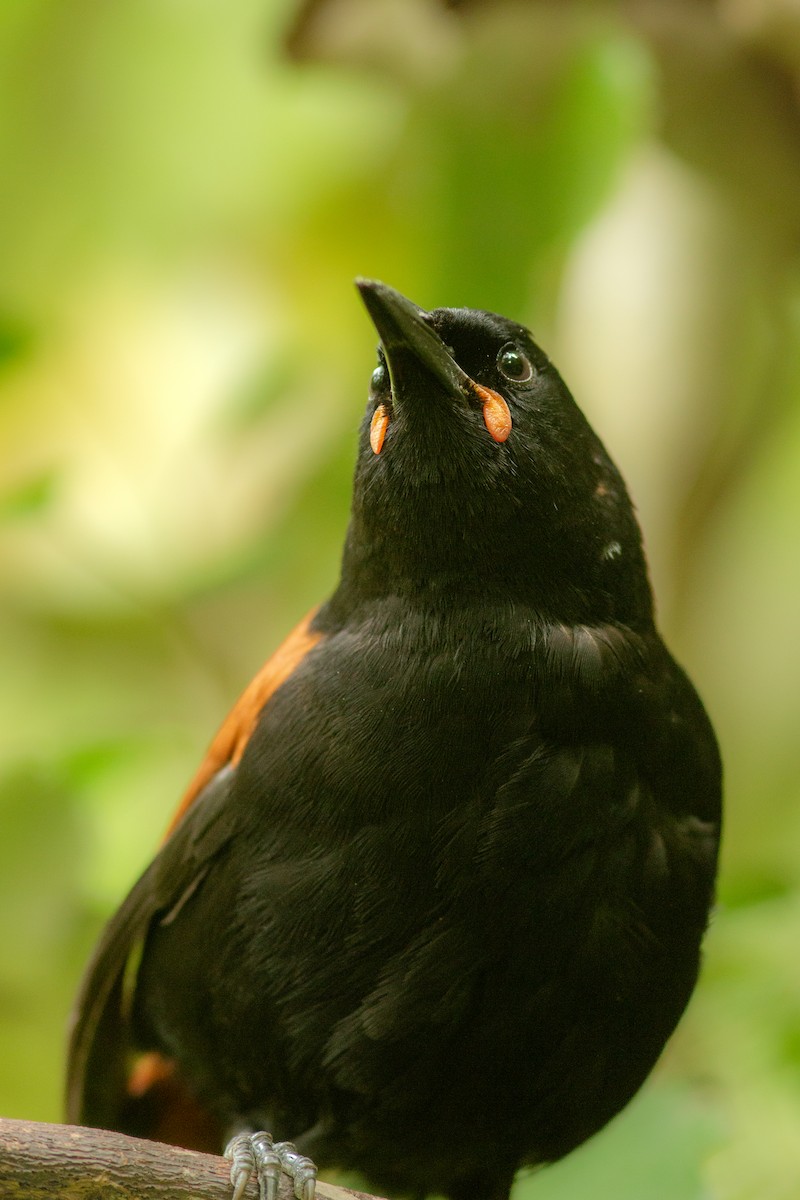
(477, 472)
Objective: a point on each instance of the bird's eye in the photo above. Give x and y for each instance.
(378, 378)
(512, 363)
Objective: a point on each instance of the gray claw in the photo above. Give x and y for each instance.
(243, 1162)
(302, 1170)
(257, 1153)
(253, 1152)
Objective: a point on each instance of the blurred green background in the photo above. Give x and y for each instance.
(186, 190)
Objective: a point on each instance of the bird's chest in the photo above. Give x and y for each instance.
(414, 796)
(371, 733)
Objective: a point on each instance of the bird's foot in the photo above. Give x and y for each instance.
(257, 1153)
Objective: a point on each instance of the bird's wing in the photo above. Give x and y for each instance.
(234, 733)
(99, 1058)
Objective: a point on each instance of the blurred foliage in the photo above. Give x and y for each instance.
(187, 191)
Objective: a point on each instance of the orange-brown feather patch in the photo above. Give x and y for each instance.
(496, 413)
(234, 734)
(377, 429)
(159, 1106)
(148, 1070)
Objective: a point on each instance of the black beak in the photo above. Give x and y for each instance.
(406, 336)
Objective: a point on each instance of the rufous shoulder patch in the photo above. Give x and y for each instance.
(233, 735)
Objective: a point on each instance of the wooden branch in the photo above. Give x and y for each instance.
(40, 1162)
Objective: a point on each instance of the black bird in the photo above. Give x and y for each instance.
(434, 902)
